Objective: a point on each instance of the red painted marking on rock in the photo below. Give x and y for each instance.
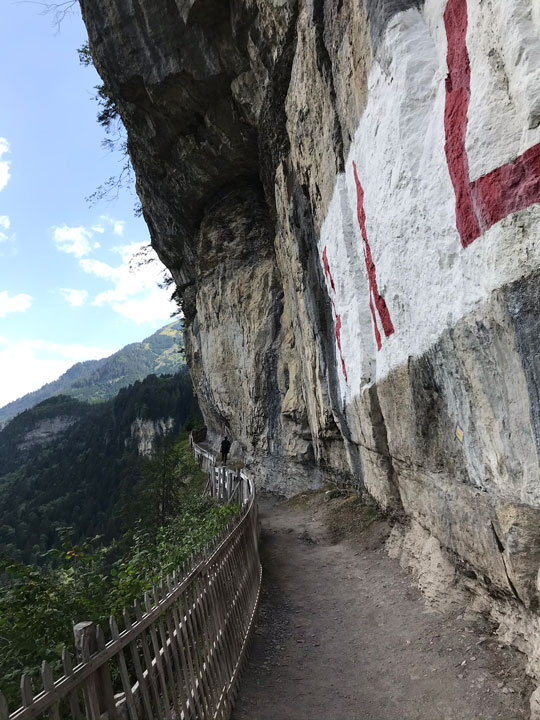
(327, 272)
(376, 300)
(338, 340)
(509, 188)
(458, 92)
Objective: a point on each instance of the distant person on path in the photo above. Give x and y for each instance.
(225, 447)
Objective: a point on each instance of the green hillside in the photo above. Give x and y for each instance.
(100, 380)
(71, 463)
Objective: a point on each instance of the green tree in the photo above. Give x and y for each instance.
(166, 476)
(89, 581)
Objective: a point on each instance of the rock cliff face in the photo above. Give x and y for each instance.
(144, 433)
(348, 197)
(44, 431)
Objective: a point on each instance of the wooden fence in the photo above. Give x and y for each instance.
(181, 650)
(223, 484)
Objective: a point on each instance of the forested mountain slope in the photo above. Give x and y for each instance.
(71, 463)
(98, 380)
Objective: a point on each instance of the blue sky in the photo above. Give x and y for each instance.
(66, 291)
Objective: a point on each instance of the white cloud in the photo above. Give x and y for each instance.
(79, 241)
(155, 306)
(4, 225)
(118, 227)
(74, 297)
(29, 364)
(14, 303)
(135, 293)
(4, 164)
(99, 268)
(73, 240)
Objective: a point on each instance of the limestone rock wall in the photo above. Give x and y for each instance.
(144, 433)
(348, 197)
(44, 431)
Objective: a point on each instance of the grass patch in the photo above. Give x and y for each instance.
(350, 516)
(302, 500)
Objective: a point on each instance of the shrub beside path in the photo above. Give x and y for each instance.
(344, 635)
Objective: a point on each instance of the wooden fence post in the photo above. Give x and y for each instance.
(98, 690)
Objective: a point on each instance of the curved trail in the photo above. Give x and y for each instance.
(343, 635)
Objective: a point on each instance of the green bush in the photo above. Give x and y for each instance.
(91, 581)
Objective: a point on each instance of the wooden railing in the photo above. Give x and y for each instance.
(181, 651)
(223, 484)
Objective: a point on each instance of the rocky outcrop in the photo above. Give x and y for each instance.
(144, 433)
(43, 431)
(348, 197)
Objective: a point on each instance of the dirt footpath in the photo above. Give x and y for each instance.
(343, 635)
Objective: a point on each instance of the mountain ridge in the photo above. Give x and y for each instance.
(100, 380)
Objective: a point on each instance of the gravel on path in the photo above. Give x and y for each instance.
(343, 634)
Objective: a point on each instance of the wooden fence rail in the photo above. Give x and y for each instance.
(180, 651)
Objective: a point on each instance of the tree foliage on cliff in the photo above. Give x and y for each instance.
(83, 477)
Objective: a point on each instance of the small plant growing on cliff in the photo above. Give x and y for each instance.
(109, 110)
(109, 118)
